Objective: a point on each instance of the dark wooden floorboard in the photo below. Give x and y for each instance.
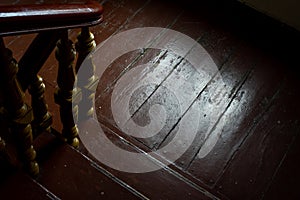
(117, 15)
(63, 170)
(168, 183)
(247, 106)
(247, 144)
(285, 181)
(20, 185)
(18, 44)
(257, 159)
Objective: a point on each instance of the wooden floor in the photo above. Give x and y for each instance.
(247, 142)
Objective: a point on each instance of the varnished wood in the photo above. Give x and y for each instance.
(18, 111)
(256, 156)
(17, 19)
(233, 57)
(30, 64)
(65, 54)
(69, 172)
(35, 56)
(26, 17)
(85, 44)
(86, 79)
(42, 118)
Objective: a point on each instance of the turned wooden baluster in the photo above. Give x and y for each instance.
(42, 118)
(18, 111)
(65, 54)
(29, 65)
(86, 79)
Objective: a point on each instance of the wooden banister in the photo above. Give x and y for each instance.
(51, 21)
(26, 18)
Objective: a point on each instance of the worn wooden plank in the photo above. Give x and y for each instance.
(122, 65)
(168, 183)
(211, 104)
(65, 176)
(183, 23)
(284, 183)
(117, 15)
(256, 161)
(248, 103)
